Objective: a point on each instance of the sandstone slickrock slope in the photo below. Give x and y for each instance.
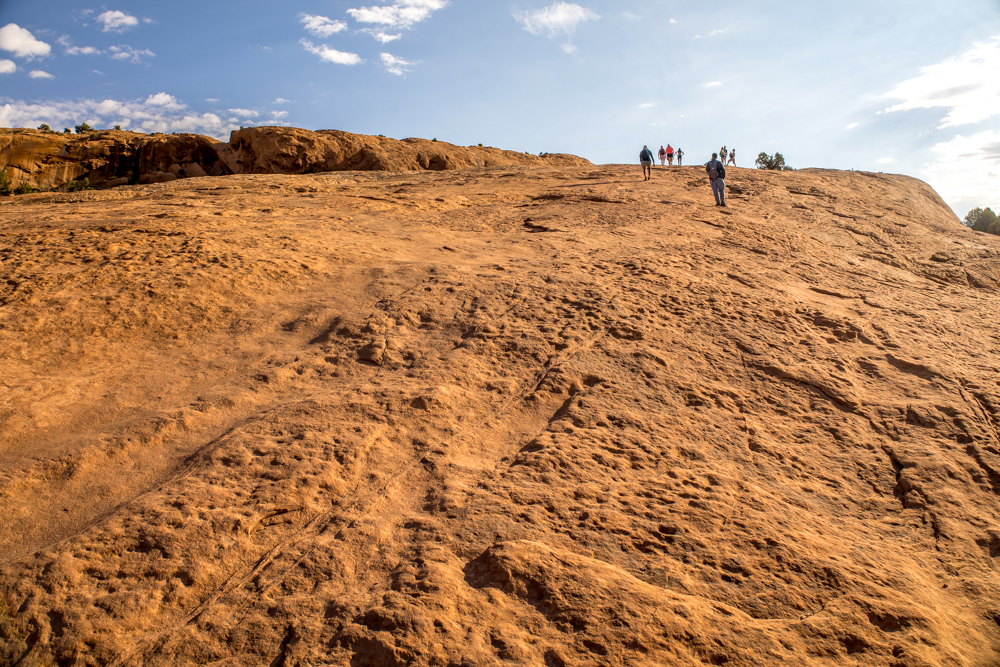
(549, 416)
(111, 158)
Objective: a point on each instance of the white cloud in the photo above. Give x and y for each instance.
(967, 171)
(158, 113)
(39, 74)
(647, 105)
(147, 20)
(967, 85)
(395, 65)
(246, 113)
(711, 84)
(7, 66)
(279, 114)
(559, 17)
(21, 42)
(281, 100)
(673, 20)
(116, 21)
(402, 14)
(382, 36)
(321, 26)
(851, 126)
(126, 52)
(165, 101)
(329, 55)
(81, 51)
(885, 160)
(211, 100)
(711, 34)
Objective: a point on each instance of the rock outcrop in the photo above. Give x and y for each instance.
(109, 158)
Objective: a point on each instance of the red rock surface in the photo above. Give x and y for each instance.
(550, 416)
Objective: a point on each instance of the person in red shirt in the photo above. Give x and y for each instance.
(670, 155)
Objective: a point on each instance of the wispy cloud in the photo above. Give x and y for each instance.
(403, 14)
(967, 170)
(558, 18)
(246, 113)
(22, 43)
(714, 33)
(967, 85)
(326, 54)
(851, 126)
(126, 52)
(7, 67)
(647, 105)
(394, 64)
(117, 21)
(278, 115)
(281, 100)
(711, 84)
(321, 26)
(39, 74)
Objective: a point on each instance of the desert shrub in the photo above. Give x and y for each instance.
(79, 185)
(83, 127)
(66, 130)
(982, 220)
(44, 127)
(434, 139)
(774, 162)
(5, 188)
(118, 127)
(24, 189)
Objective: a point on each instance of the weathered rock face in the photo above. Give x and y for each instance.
(499, 417)
(48, 160)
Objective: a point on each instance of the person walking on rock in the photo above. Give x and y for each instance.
(670, 155)
(680, 156)
(732, 157)
(663, 155)
(717, 175)
(723, 152)
(646, 160)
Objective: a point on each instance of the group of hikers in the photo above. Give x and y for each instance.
(715, 167)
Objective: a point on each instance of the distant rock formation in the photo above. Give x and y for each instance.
(109, 158)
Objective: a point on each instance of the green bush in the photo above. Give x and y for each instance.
(118, 127)
(80, 185)
(5, 188)
(982, 220)
(66, 130)
(83, 127)
(774, 163)
(44, 127)
(24, 189)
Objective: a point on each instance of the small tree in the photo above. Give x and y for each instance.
(5, 188)
(774, 163)
(980, 219)
(83, 127)
(44, 127)
(66, 130)
(118, 127)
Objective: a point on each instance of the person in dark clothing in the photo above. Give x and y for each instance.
(679, 154)
(717, 175)
(646, 160)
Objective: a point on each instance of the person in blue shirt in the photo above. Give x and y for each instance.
(646, 160)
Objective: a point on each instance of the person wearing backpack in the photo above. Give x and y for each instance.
(663, 155)
(646, 160)
(717, 175)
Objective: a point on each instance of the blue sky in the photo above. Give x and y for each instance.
(899, 86)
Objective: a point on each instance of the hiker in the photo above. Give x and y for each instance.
(722, 154)
(663, 155)
(680, 155)
(670, 155)
(732, 157)
(717, 174)
(646, 160)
